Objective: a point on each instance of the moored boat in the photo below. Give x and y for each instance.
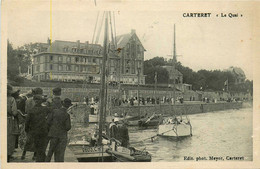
(85, 152)
(130, 154)
(174, 127)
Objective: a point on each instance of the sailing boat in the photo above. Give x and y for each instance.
(175, 126)
(101, 148)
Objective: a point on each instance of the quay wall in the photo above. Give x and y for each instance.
(179, 109)
(80, 113)
(78, 94)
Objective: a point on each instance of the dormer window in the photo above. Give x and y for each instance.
(66, 49)
(74, 49)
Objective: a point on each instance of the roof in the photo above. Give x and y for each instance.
(122, 40)
(172, 71)
(59, 45)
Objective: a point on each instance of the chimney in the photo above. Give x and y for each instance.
(78, 44)
(48, 41)
(86, 44)
(133, 31)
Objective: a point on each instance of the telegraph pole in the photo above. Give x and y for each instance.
(173, 62)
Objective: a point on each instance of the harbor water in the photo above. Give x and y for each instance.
(216, 134)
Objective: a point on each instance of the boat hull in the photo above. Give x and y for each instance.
(95, 118)
(85, 153)
(123, 157)
(175, 130)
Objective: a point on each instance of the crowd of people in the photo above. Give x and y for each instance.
(35, 121)
(132, 101)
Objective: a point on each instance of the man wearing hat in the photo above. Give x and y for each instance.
(29, 104)
(123, 134)
(11, 113)
(59, 124)
(113, 129)
(36, 125)
(55, 101)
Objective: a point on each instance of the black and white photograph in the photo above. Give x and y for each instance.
(143, 82)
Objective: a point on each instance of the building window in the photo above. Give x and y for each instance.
(60, 67)
(81, 59)
(65, 49)
(38, 59)
(38, 68)
(68, 59)
(133, 70)
(89, 60)
(74, 49)
(45, 67)
(85, 59)
(76, 59)
(76, 68)
(50, 66)
(138, 49)
(81, 50)
(46, 58)
(94, 60)
(60, 58)
(51, 58)
(68, 67)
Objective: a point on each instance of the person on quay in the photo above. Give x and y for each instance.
(21, 116)
(55, 101)
(11, 113)
(123, 134)
(36, 124)
(29, 104)
(113, 129)
(59, 124)
(20, 105)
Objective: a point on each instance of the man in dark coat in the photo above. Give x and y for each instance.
(59, 124)
(123, 134)
(29, 104)
(36, 123)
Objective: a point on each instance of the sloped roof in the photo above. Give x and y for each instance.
(59, 45)
(122, 40)
(172, 71)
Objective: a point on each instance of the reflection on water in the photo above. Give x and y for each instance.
(224, 133)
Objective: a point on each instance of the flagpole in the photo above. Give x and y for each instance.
(155, 86)
(227, 84)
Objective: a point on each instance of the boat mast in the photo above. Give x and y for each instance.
(103, 82)
(173, 65)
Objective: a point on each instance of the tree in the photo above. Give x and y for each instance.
(202, 79)
(25, 54)
(12, 62)
(154, 65)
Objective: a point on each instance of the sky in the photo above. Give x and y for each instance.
(201, 43)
